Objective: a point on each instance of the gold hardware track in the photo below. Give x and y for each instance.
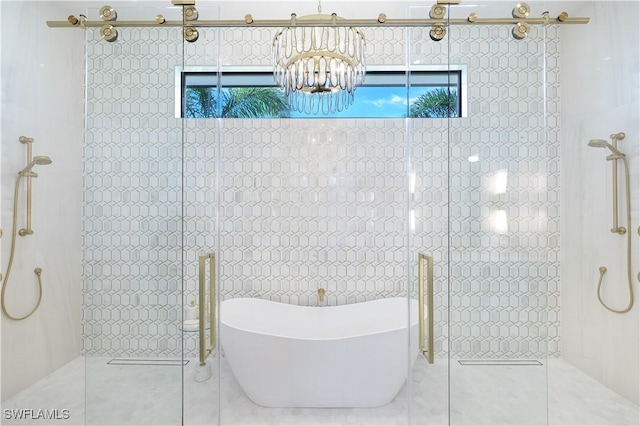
(319, 23)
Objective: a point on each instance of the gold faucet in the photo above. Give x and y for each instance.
(321, 294)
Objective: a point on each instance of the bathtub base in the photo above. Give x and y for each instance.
(365, 370)
(329, 381)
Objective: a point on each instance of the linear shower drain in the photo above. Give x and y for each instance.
(500, 362)
(148, 361)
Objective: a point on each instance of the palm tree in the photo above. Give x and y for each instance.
(237, 102)
(440, 102)
(200, 102)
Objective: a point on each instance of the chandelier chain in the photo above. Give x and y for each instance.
(320, 6)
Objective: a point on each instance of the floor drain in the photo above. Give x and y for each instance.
(149, 361)
(501, 362)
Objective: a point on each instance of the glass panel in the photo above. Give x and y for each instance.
(309, 205)
(503, 215)
(428, 192)
(132, 221)
(201, 168)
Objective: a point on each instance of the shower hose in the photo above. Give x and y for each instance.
(37, 271)
(603, 269)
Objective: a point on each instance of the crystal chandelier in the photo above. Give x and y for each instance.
(319, 67)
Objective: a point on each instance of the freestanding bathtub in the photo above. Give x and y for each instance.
(332, 356)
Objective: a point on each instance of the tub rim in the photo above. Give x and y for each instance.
(404, 327)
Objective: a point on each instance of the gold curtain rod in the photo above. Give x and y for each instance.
(249, 22)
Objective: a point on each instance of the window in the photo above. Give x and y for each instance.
(389, 92)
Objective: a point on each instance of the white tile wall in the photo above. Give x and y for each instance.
(42, 99)
(602, 97)
(293, 205)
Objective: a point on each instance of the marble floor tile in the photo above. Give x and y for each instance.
(94, 392)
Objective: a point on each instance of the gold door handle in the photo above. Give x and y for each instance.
(202, 305)
(427, 352)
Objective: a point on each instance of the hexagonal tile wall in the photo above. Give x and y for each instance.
(293, 205)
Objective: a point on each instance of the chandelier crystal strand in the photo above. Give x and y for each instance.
(319, 67)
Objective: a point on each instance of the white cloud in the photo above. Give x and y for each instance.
(394, 100)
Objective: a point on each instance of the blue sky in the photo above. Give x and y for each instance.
(376, 102)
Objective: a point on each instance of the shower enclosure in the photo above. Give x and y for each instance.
(292, 206)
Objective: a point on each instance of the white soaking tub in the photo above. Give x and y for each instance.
(332, 356)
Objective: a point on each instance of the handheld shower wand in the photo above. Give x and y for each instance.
(39, 160)
(601, 143)
(614, 157)
(28, 174)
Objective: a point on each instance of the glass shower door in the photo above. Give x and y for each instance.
(312, 217)
(202, 255)
(503, 224)
(428, 200)
(162, 194)
(132, 225)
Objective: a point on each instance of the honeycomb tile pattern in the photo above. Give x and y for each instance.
(294, 205)
(504, 234)
(322, 207)
(132, 220)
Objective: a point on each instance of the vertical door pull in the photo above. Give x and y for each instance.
(427, 351)
(206, 308)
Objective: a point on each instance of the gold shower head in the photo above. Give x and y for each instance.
(40, 160)
(601, 143)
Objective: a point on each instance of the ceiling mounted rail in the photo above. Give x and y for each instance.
(438, 21)
(319, 59)
(381, 22)
(520, 19)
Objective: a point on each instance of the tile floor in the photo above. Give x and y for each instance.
(480, 395)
